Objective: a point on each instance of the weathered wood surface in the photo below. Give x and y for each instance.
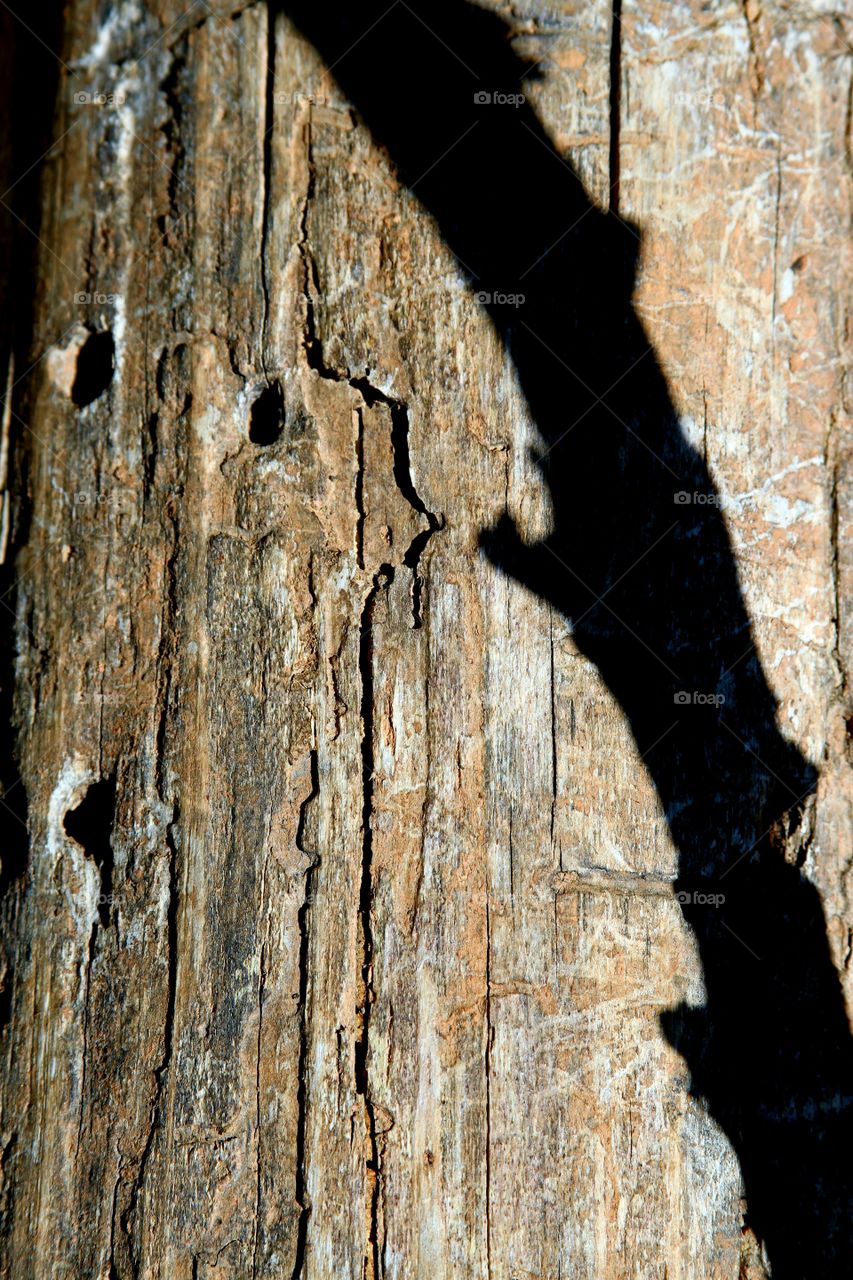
(370, 980)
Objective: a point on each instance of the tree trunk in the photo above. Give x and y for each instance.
(374, 921)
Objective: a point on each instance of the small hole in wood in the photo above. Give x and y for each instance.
(266, 417)
(90, 824)
(95, 367)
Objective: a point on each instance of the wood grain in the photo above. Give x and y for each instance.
(372, 985)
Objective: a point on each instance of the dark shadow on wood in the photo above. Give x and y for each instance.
(29, 76)
(649, 585)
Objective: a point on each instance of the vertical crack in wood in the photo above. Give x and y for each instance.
(84, 1052)
(263, 914)
(171, 89)
(488, 1071)
(359, 489)
(311, 344)
(615, 103)
(112, 1271)
(834, 532)
(90, 825)
(435, 521)
(269, 121)
(258, 1105)
(403, 478)
(777, 231)
(556, 941)
(848, 128)
(511, 867)
(161, 1072)
(302, 1081)
(165, 666)
(752, 17)
(364, 996)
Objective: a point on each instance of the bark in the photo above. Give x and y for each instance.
(385, 466)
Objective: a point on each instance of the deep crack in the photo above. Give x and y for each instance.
(373, 1172)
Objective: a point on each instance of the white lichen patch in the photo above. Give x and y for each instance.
(76, 873)
(120, 20)
(61, 360)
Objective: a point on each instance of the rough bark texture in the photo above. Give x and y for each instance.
(348, 929)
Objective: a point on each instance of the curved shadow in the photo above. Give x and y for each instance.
(647, 581)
